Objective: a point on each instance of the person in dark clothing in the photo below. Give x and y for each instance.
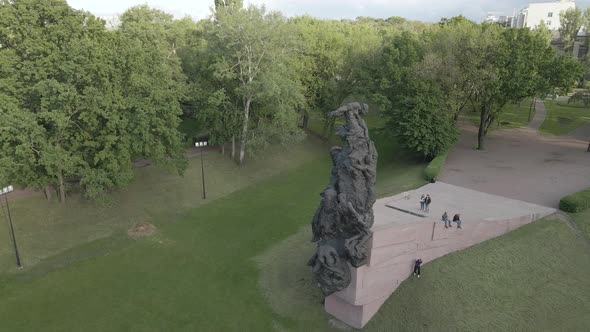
(445, 218)
(417, 267)
(457, 219)
(422, 202)
(427, 201)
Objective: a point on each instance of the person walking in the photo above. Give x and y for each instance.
(417, 267)
(422, 202)
(427, 201)
(445, 218)
(457, 219)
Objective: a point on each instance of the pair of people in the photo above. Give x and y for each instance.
(456, 218)
(425, 202)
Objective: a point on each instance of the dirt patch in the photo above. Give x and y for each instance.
(141, 229)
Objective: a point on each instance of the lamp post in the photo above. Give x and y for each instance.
(201, 145)
(5, 192)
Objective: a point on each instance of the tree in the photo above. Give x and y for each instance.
(424, 121)
(254, 51)
(225, 4)
(580, 96)
(571, 22)
(514, 64)
(85, 100)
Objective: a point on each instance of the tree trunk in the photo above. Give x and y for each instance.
(47, 191)
(233, 147)
(62, 188)
(305, 121)
(482, 127)
(244, 131)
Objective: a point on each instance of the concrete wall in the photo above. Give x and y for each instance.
(537, 12)
(394, 250)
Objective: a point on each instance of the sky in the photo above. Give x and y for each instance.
(423, 10)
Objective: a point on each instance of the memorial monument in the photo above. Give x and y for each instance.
(342, 224)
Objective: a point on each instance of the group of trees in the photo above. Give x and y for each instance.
(79, 101)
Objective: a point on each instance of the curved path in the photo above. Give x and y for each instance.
(519, 164)
(540, 113)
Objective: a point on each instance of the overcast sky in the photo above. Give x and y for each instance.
(424, 10)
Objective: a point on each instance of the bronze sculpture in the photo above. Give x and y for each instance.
(342, 223)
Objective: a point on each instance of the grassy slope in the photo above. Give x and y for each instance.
(194, 274)
(532, 279)
(582, 220)
(45, 228)
(563, 118)
(512, 116)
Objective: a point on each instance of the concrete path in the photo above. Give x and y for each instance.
(519, 164)
(540, 113)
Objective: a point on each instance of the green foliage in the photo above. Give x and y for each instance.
(576, 202)
(424, 123)
(580, 97)
(83, 100)
(435, 166)
(571, 22)
(251, 53)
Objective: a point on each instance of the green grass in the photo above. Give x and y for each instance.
(576, 202)
(46, 228)
(562, 118)
(512, 116)
(532, 279)
(196, 273)
(582, 220)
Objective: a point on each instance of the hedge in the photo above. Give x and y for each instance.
(433, 169)
(576, 202)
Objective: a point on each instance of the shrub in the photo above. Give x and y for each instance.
(433, 169)
(576, 202)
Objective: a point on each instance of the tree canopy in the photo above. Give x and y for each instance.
(79, 102)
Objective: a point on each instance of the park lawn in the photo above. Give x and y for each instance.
(44, 228)
(512, 116)
(195, 274)
(562, 118)
(582, 220)
(532, 279)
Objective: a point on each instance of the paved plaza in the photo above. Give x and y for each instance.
(471, 204)
(520, 164)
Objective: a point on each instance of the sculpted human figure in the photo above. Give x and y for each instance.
(342, 223)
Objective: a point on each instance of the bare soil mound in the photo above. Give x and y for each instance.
(141, 229)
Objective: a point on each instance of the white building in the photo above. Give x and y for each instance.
(546, 12)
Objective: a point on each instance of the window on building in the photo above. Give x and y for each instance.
(550, 14)
(548, 23)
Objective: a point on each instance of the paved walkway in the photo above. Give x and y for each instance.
(540, 113)
(519, 164)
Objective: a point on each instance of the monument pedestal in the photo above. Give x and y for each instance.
(402, 233)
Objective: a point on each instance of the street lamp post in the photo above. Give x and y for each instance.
(201, 145)
(5, 192)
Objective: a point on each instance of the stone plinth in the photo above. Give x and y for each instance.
(401, 235)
